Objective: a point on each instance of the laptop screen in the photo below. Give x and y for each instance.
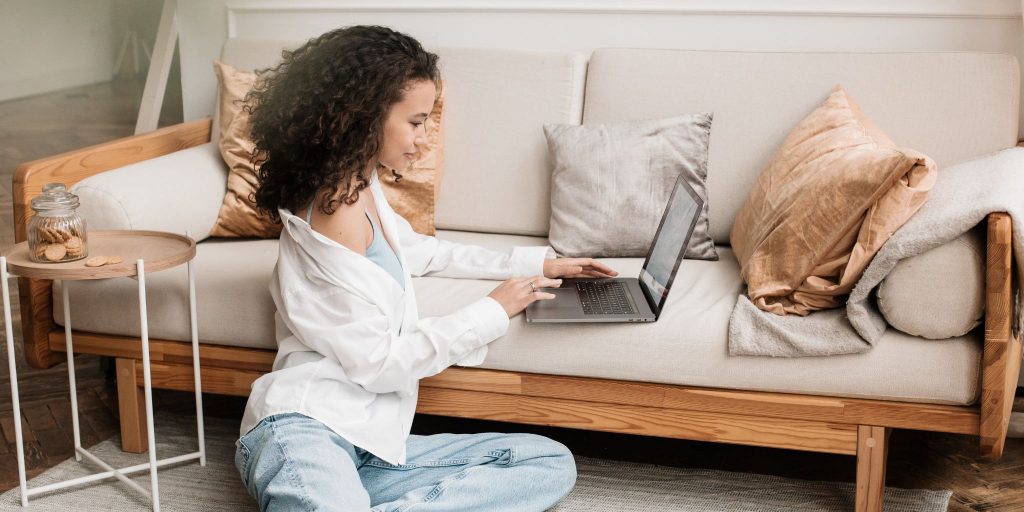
(669, 243)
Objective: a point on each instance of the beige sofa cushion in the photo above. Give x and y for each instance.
(951, 106)
(496, 163)
(686, 346)
(938, 294)
(497, 169)
(233, 301)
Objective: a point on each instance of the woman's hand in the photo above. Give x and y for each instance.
(577, 267)
(517, 293)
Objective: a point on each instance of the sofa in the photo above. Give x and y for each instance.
(673, 378)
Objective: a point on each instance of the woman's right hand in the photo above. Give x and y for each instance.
(517, 293)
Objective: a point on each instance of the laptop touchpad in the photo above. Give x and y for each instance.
(566, 300)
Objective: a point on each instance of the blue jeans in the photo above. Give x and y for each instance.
(291, 462)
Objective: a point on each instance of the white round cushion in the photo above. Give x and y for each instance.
(938, 294)
(180, 192)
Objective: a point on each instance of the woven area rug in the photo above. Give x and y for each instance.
(602, 485)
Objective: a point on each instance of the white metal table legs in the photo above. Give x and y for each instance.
(80, 452)
(195, 362)
(14, 381)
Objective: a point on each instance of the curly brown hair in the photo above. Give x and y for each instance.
(318, 116)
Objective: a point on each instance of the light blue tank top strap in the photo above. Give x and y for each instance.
(381, 253)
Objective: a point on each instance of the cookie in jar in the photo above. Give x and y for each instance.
(56, 233)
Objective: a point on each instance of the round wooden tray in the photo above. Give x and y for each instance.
(159, 250)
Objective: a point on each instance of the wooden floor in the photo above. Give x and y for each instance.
(52, 123)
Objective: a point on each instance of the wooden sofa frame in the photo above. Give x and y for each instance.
(799, 422)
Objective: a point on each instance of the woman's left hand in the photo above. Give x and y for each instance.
(577, 267)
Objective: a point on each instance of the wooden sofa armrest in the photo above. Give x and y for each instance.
(1002, 353)
(70, 168)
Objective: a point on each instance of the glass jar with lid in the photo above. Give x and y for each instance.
(56, 233)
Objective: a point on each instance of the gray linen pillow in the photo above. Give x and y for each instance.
(611, 183)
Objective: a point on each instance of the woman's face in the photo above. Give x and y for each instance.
(404, 129)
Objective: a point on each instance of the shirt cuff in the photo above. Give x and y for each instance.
(489, 319)
(529, 261)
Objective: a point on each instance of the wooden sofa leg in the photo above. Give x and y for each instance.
(131, 402)
(872, 452)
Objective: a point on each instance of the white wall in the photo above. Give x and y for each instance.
(974, 25)
(47, 45)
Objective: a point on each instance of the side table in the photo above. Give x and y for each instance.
(141, 251)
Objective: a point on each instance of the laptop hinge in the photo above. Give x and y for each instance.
(648, 296)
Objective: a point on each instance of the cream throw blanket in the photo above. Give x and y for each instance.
(962, 197)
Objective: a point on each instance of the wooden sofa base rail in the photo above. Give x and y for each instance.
(621, 406)
(859, 428)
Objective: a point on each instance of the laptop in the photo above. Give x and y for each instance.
(628, 299)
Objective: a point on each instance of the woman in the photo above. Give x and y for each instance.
(328, 429)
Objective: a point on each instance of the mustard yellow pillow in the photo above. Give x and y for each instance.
(414, 197)
(829, 198)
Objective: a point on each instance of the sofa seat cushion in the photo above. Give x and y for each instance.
(686, 346)
(233, 303)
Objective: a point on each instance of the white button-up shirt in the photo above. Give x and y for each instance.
(351, 345)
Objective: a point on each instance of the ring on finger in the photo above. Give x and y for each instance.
(533, 286)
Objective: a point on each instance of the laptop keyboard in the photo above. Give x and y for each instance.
(603, 298)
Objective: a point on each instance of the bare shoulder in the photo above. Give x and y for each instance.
(347, 226)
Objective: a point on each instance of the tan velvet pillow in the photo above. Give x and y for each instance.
(834, 192)
(414, 197)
